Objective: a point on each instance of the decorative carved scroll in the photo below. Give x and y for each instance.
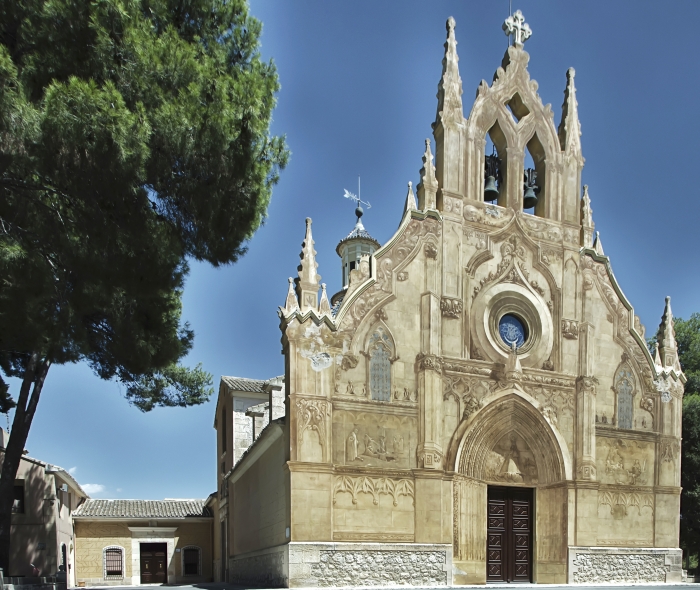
(429, 362)
(569, 329)
(451, 307)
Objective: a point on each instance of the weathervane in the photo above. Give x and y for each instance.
(357, 199)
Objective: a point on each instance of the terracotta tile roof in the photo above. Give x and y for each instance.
(242, 384)
(142, 508)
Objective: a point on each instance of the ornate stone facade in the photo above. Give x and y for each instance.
(482, 346)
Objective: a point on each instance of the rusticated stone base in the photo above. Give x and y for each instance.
(594, 565)
(345, 564)
(268, 568)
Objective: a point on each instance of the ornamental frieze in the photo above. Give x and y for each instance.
(375, 486)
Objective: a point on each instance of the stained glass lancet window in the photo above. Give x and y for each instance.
(381, 348)
(624, 386)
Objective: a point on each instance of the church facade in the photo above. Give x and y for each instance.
(478, 404)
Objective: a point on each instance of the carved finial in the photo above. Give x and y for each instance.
(410, 200)
(587, 225)
(514, 370)
(657, 357)
(309, 280)
(292, 303)
(449, 109)
(324, 308)
(666, 339)
(516, 27)
(428, 185)
(598, 245)
(570, 126)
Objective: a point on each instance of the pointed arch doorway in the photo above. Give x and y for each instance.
(512, 469)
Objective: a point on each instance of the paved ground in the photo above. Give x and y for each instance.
(220, 586)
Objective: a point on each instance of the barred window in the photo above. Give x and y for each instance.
(114, 562)
(190, 561)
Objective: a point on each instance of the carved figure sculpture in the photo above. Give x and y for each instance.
(351, 447)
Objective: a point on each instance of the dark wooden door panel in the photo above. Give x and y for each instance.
(154, 568)
(509, 535)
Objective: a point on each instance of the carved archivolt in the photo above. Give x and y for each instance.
(512, 413)
(374, 486)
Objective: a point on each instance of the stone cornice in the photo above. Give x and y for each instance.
(613, 432)
(394, 408)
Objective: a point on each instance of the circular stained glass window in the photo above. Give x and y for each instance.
(512, 329)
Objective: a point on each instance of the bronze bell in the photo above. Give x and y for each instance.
(491, 173)
(530, 198)
(490, 189)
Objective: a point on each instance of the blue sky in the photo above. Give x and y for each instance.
(358, 96)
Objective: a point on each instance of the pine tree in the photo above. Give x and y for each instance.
(134, 137)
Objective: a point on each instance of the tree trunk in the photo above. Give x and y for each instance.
(32, 383)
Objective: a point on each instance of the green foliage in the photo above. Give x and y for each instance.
(6, 401)
(173, 386)
(688, 338)
(134, 135)
(690, 475)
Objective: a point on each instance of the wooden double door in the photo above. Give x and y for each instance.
(509, 535)
(154, 565)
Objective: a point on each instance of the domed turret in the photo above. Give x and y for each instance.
(351, 248)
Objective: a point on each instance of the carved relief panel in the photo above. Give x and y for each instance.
(511, 461)
(312, 430)
(624, 461)
(367, 439)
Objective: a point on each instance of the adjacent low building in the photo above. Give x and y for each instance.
(42, 527)
(133, 542)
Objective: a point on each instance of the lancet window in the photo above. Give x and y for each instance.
(495, 169)
(624, 387)
(381, 355)
(534, 171)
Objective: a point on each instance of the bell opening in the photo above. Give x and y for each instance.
(535, 171)
(495, 150)
(530, 189)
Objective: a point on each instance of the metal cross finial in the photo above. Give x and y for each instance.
(516, 27)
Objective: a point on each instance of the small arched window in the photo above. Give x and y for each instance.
(113, 558)
(381, 352)
(191, 561)
(624, 387)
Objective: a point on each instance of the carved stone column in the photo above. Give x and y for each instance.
(585, 428)
(429, 370)
(514, 178)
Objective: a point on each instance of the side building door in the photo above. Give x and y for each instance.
(154, 567)
(509, 535)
